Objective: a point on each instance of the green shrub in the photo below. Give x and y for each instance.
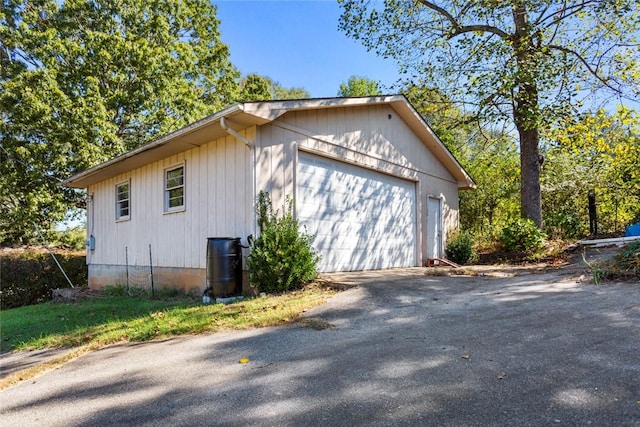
(72, 238)
(281, 258)
(522, 235)
(563, 225)
(28, 276)
(460, 248)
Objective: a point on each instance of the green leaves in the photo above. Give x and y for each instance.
(527, 63)
(281, 258)
(84, 81)
(599, 151)
(489, 155)
(522, 235)
(460, 249)
(255, 87)
(359, 86)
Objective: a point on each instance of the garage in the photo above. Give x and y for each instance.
(370, 180)
(362, 219)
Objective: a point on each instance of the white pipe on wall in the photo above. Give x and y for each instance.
(233, 132)
(251, 146)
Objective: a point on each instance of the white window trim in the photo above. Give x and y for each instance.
(128, 216)
(165, 197)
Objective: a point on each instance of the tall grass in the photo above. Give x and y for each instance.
(624, 266)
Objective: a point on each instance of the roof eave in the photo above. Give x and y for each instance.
(84, 179)
(258, 113)
(430, 138)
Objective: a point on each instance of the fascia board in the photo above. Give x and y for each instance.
(409, 114)
(193, 135)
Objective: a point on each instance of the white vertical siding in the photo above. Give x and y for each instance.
(213, 162)
(193, 190)
(275, 154)
(205, 186)
(372, 136)
(229, 181)
(219, 185)
(218, 203)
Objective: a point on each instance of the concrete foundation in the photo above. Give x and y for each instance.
(188, 280)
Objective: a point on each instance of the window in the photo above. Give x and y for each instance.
(122, 201)
(174, 189)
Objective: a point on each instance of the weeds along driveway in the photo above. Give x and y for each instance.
(403, 349)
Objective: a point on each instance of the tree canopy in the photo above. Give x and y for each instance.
(529, 62)
(490, 157)
(359, 86)
(82, 81)
(598, 152)
(255, 87)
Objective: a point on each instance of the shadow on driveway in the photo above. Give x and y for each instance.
(408, 349)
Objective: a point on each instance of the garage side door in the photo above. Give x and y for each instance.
(361, 219)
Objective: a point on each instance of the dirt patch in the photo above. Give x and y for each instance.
(315, 323)
(65, 295)
(577, 262)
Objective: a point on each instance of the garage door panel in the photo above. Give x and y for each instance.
(361, 219)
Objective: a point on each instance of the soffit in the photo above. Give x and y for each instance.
(242, 116)
(194, 135)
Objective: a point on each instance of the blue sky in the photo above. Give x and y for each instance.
(298, 44)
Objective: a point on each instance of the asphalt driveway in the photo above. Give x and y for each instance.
(401, 348)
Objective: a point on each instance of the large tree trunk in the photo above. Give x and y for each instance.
(530, 203)
(526, 112)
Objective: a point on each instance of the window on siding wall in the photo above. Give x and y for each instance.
(174, 189)
(123, 207)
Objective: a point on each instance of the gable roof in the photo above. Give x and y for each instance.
(248, 114)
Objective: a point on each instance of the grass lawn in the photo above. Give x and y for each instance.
(99, 321)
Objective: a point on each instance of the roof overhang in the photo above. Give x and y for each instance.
(424, 132)
(244, 115)
(193, 135)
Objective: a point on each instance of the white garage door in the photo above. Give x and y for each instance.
(361, 219)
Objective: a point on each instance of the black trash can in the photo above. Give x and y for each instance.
(224, 266)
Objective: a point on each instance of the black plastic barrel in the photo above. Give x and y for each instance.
(224, 266)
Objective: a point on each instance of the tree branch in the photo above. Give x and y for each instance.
(461, 29)
(482, 28)
(541, 15)
(571, 9)
(588, 66)
(465, 8)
